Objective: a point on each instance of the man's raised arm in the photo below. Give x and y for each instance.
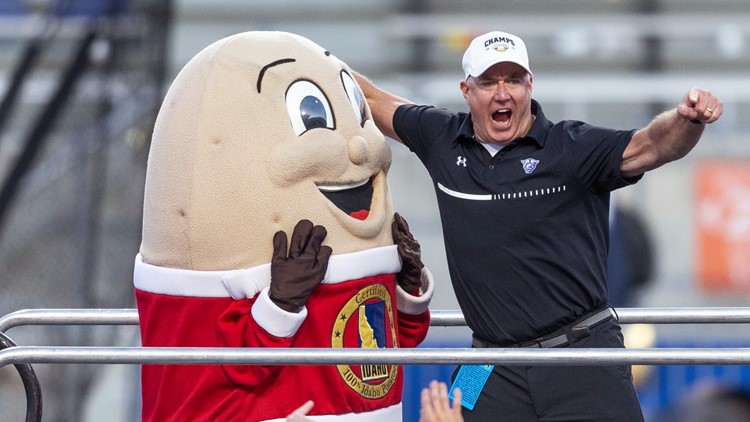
(382, 105)
(672, 134)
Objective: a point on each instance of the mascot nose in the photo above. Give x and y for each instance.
(357, 150)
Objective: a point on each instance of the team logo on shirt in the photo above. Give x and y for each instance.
(366, 321)
(529, 164)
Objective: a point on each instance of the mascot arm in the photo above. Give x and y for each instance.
(413, 311)
(273, 317)
(257, 323)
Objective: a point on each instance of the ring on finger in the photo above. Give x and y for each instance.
(709, 110)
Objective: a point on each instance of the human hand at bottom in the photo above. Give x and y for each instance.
(436, 406)
(299, 415)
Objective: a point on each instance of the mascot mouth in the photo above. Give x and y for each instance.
(352, 198)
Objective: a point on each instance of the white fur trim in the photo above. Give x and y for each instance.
(367, 263)
(247, 283)
(243, 283)
(178, 282)
(276, 321)
(389, 414)
(415, 305)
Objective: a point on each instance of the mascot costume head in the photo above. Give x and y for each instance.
(264, 139)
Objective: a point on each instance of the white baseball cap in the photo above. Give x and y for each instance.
(492, 48)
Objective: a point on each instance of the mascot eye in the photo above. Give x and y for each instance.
(308, 108)
(355, 97)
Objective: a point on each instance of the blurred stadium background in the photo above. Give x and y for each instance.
(81, 82)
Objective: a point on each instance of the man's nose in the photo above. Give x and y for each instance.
(501, 92)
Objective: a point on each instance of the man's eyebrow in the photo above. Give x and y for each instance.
(269, 65)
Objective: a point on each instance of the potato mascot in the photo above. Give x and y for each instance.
(268, 223)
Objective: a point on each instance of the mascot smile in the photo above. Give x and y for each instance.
(268, 223)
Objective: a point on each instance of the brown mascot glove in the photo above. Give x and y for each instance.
(295, 276)
(410, 276)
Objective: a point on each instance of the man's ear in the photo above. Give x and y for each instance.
(464, 88)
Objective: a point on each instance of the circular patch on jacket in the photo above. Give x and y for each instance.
(366, 321)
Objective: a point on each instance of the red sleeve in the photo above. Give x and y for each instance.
(412, 329)
(237, 328)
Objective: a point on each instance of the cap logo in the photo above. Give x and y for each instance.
(500, 48)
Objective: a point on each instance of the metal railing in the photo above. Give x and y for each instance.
(439, 318)
(23, 356)
(421, 356)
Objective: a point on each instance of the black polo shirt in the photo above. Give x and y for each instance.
(526, 231)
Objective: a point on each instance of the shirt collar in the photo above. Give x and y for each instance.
(466, 130)
(541, 125)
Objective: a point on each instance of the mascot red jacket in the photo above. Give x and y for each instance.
(268, 223)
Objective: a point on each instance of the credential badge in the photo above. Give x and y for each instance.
(529, 164)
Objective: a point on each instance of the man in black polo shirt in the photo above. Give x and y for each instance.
(524, 206)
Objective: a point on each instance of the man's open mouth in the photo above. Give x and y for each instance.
(353, 198)
(502, 115)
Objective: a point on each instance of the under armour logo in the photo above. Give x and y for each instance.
(529, 164)
(461, 161)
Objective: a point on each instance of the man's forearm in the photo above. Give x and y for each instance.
(673, 135)
(382, 105)
(669, 137)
